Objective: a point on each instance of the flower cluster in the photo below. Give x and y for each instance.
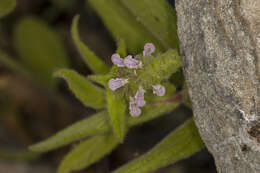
(128, 61)
(137, 101)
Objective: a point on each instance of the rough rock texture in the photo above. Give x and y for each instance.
(220, 49)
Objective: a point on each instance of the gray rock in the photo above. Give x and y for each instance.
(220, 49)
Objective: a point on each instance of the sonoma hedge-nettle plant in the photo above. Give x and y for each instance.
(136, 89)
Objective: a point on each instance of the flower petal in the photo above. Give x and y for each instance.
(139, 97)
(116, 83)
(117, 60)
(135, 111)
(131, 62)
(149, 48)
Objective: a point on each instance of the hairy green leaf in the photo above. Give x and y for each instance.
(117, 108)
(158, 17)
(96, 124)
(40, 48)
(89, 57)
(100, 79)
(100, 123)
(123, 24)
(88, 93)
(6, 6)
(88, 152)
(179, 144)
(121, 48)
(160, 68)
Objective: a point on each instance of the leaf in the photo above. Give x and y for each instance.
(8, 62)
(88, 93)
(96, 124)
(179, 144)
(100, 79)
(88, 152)
(99, 123)
(6, 6)
(89, 57)
(40, 48)
(116, 108)
(158, 17)
(121, 48)
(123, 24)
(160, 68)
(10, 154)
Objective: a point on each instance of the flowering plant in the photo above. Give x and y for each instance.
(136, 89)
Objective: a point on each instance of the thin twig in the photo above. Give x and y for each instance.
(180, 97)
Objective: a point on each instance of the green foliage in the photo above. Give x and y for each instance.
(179, 144)
(89, 57)
(123, 24)
(160, 68)
(121, 48)
(99, 124)
(8, 62)
(100, 79)
(88, 152)
(17, 155)
(6, 6)
(96, 124)
(88, 93)
(40, 48)
(133, 23)
(117, 108)
(157, 17)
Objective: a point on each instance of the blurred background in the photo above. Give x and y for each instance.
(34, 106)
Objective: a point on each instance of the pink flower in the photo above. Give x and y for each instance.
(116, 83)
(135, 111)
(139, 97)
(149, 48)
(132, 63)
(117, 60)
(159, 90)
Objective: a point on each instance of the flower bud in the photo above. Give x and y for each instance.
(159, 90)
(149, 48)
(116, 83)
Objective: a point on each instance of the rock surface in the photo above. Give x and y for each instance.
(220, 49)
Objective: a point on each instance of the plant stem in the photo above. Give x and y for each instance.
(180, 97)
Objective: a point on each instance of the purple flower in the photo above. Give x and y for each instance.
(159, 90)
(135, 111)
(149, 48)
(132, 63)
(117, 60)
(139, 97)
(116, 83)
